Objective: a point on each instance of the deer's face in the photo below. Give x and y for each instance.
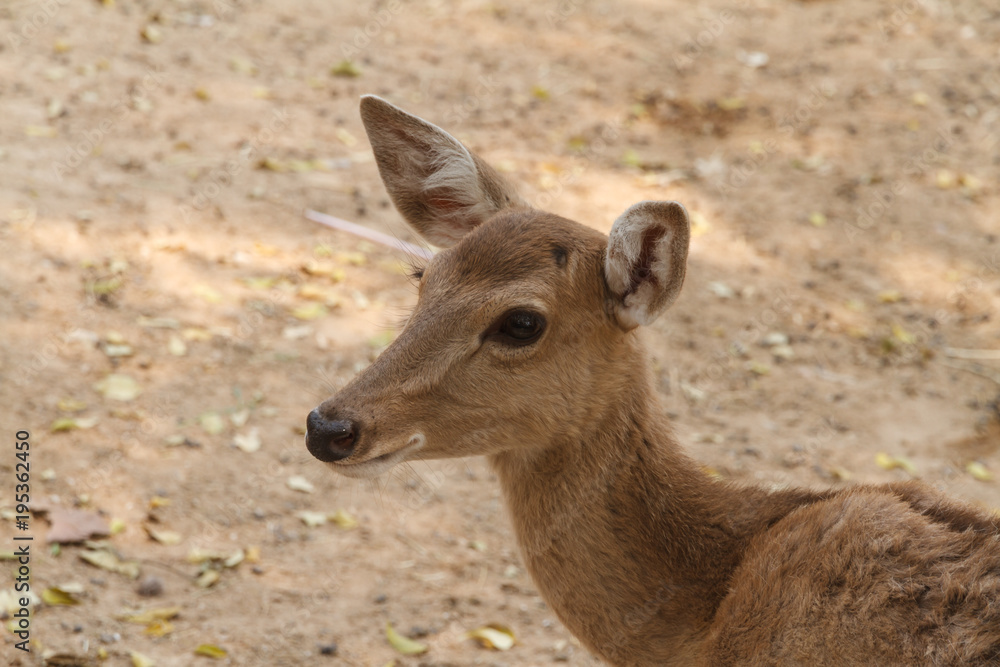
(519, 319)
(498, 354)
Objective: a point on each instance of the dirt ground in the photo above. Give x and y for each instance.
(841, 160)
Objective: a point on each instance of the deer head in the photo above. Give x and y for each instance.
(522, 318)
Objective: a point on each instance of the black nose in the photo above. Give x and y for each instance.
(329, 440)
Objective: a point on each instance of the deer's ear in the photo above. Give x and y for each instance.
(646, 260)
(440, 187)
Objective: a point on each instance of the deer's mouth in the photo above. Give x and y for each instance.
(377, 465)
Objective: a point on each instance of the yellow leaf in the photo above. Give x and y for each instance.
(731, 103)
(498, 637)
(343, 519)
(889, 296)
(208, 294)
(110, 562)
(817, 219)
(346, 68)
(58, 597)
(159, 628)
(260, 282)
(345, 137)
(310, 311)
(312, 519)
(167, 537)
(211, 651)
(888, 462)
(212, 423)
(208, 578)
(118, 387)
(404, 645)
(70, 423)
(71, 405)
(902, 335)
(152, 615)
(117, 526)
(979, 471)
(139, 660)
(158, 501)
(40, 131)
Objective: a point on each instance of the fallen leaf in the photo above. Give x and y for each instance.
(343, 519)
(888, 462)
(212, 423)
(152, 615)
(118, 387)
(207, 578)
(494, 636)
(889, 296)
(240, 417)
(167, 537)
(74, 525)
(249, 442)
(300, 483)
(158, 628)
(139, 660)
(58, 597)
(176, 346)
(310, 311)
(404, 645)
(71, 405)
(817, 219)
(346, 68)
(312, 519)
(110, 562)
(117, 526)
(72, 423)
(211, 651)
(152, 34)
(979, 471)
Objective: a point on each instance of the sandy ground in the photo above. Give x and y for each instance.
(841, 160)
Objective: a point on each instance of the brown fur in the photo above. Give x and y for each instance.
(646, 559)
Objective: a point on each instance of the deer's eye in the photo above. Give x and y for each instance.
(517, 327)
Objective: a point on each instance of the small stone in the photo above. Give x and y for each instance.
(328, 649)
(381, 598)
(150, 587)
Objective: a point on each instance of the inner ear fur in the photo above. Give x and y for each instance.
(646, 260)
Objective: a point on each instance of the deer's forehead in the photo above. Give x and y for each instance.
(522, 247)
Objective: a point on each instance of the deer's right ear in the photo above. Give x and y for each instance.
(646, 260)
(439, 186)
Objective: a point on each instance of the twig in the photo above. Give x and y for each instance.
(982, 371)
(957, 353)
(370, 234)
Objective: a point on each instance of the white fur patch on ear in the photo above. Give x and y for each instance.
(439, 186)
(646, 260)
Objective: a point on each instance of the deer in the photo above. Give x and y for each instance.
(524, 347)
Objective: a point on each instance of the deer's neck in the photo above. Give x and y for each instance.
(624, 535)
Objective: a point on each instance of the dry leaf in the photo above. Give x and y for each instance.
(493, 636)
(152, 615)
(211, 651)
(404, 645)
(892, 462)
(118, 387)
(300, 483)
(312, 519)
(208, 578)
(345, 68)
(110, 562)
(979, 471)
(58, 597)
(71, 423)
(249, 442)
(167, 537)
(71, 405)
(212, 423)
(74, 525)
(158, 628)
(310, 311)
(176, 346)
(139, 660)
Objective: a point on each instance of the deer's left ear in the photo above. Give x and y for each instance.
(646, 260)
